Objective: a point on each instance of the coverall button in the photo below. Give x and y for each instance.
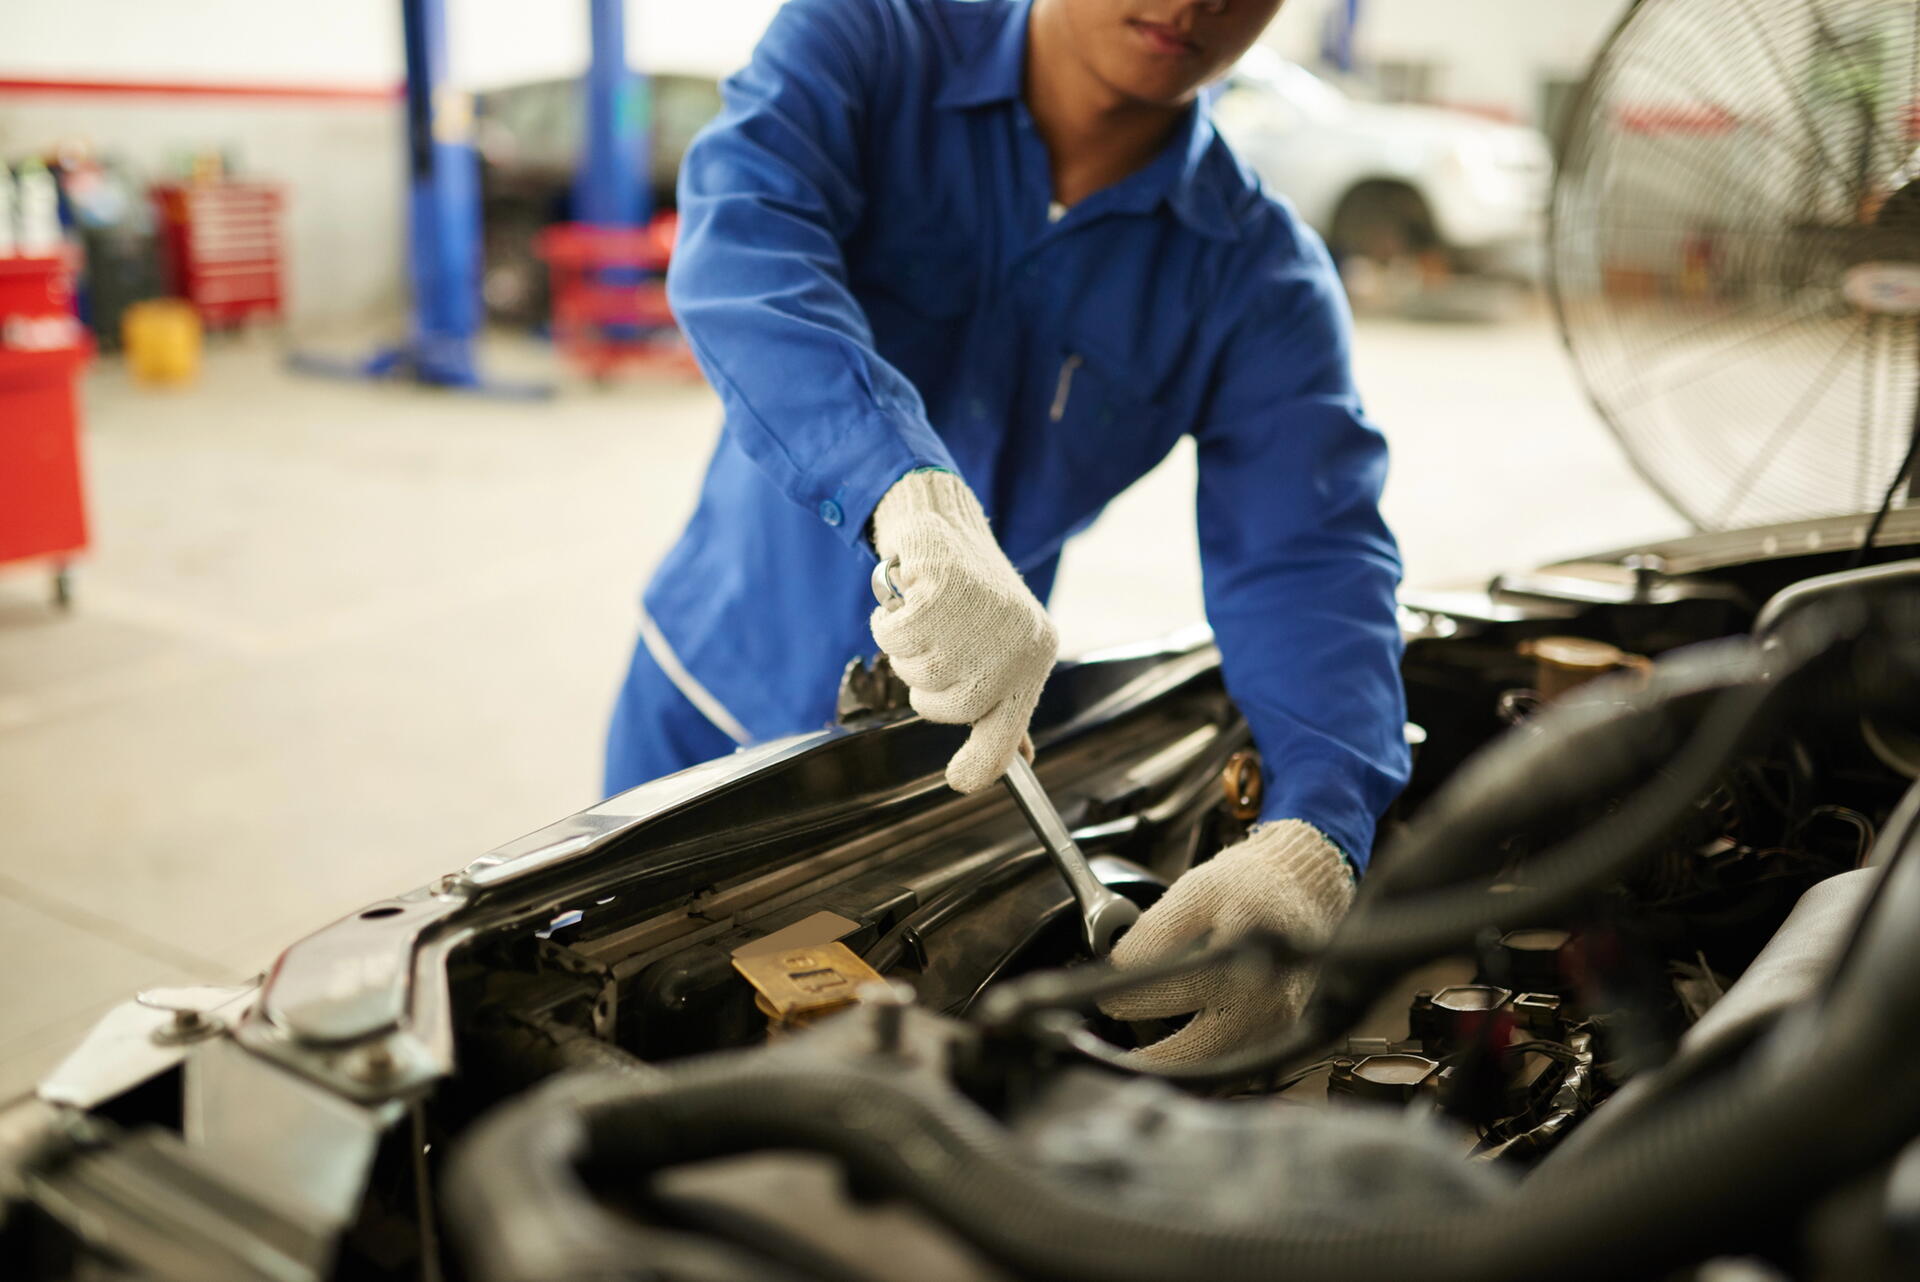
(830, 512)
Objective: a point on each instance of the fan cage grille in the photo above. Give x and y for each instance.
(1734, 185)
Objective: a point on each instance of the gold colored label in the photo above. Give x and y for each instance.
(799, 984)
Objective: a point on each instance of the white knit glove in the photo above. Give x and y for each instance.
(1285, 876)
(972, 643)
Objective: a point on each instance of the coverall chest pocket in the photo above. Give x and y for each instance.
(1103, 424)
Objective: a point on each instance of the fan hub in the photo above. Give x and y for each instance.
(1884, 287)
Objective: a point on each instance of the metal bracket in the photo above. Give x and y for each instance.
(869, 688)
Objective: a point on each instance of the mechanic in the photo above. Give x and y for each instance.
(962, 271)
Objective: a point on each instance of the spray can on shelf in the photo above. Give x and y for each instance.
(38, 199)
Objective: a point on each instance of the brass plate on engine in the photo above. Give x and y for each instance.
(800, 984)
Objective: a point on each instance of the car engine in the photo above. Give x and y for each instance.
(1625, 993)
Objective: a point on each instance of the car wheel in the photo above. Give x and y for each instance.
(1386, 244)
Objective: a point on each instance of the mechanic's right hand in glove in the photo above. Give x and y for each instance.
(970, 640)
(1285, 877)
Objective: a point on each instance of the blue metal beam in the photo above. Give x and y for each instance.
(610, 189)
(1337, 43)
(443, 225)
(443, 203)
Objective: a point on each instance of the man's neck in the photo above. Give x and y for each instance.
(1094, 136)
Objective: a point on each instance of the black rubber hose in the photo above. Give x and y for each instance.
(1529, 775)
(1615, 731)
(1813, 1104)
(519, 1210)
(1803, 1112)
(1406, 930)
(1784, 1126)
(1383, 937)
(1646, 1100)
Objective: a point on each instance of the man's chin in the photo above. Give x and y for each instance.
(1150, 85)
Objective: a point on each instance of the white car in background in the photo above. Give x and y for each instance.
(1391, 183)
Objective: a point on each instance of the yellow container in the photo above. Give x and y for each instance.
(162, 341)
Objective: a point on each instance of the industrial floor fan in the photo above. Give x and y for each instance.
(1736, 253)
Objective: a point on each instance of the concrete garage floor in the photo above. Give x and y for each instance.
(336, 639)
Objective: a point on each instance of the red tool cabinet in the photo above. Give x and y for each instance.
(610, 296)
(42, 504)
(222, 246)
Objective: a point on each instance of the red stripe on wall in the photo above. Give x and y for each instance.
(188, 89)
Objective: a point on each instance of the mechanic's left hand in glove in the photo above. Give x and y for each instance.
(1286, 877)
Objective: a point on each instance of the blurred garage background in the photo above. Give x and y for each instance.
(276, 638)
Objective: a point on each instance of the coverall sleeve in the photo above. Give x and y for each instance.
(769, 193)
(1299, 568)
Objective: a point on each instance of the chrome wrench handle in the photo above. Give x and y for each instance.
(1103, 913)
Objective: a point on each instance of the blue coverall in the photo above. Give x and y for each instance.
(872, 275)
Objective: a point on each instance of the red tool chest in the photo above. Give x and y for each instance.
(42, 504)
(610, 296)
(222, 246)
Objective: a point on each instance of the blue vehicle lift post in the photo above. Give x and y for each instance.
(443, 226)
(1336, 46)
(611, 187)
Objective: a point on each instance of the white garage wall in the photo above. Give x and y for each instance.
(354, 43)
(1488, 54)
(339, 43)
(1296, 30)
(695, 37)
(1492, 53)
(504, 42)
(340, 156)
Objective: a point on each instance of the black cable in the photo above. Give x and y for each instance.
(1813, 1105)
(1811, 1108)
(1384, 935)
(1404, 931)
(1898, 837)
(892, 947)
(1650, 1096)
(1902, 475)
(1044, 1005)
(1280, 1056)
(1381, 939)
(1558, 1051)
(1287, 1081)
(1080, 987)
(1612, 734)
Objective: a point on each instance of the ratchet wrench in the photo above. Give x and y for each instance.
(1103, 913)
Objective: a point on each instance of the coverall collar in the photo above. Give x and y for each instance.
(994, 74)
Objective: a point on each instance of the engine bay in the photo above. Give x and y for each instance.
(804, 1012)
